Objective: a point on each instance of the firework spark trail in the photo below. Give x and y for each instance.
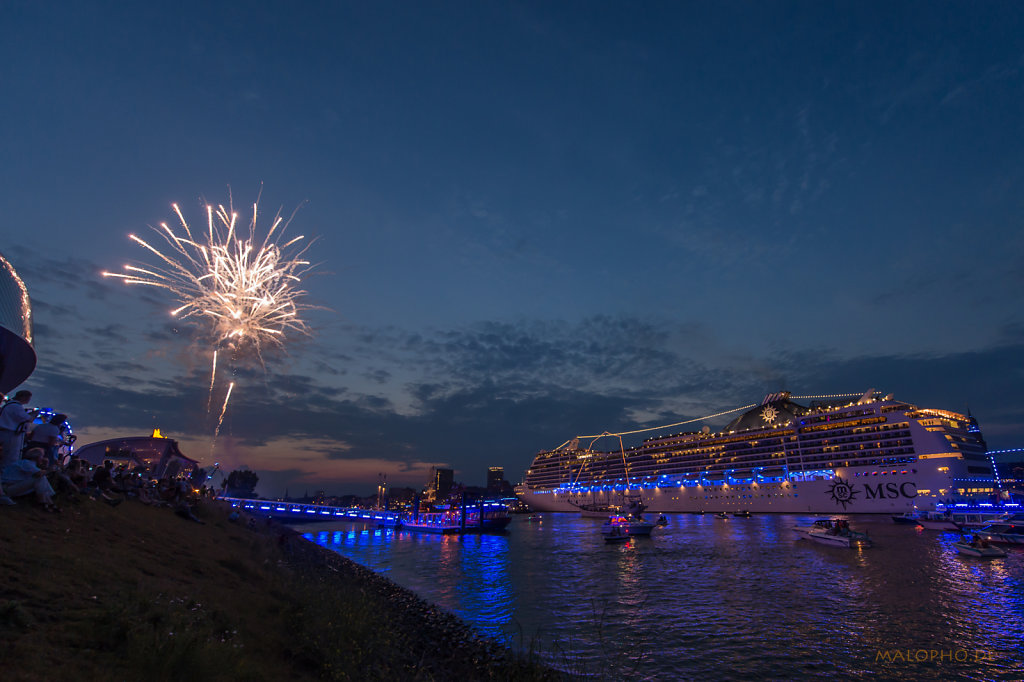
(220, 420)
(213, 377)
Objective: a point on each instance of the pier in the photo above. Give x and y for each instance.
(477, 518)
(294, 511)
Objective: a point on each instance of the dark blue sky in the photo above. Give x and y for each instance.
(534, 219)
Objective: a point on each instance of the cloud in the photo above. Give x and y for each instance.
(495, 393)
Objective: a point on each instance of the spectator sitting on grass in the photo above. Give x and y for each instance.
(77, 470)
(102, 484)
(58, 476)
(29, 475)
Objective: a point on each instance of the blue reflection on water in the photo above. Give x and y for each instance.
(720, 598)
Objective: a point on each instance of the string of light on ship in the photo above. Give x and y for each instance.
(710, 416)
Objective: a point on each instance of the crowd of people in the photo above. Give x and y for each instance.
(34, 462)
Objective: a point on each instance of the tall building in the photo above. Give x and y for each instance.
(442, 483)
(495, 480)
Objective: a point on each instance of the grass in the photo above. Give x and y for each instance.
(138, 593)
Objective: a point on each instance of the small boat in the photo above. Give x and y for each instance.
(630, 526)
(937, 521)
(977, 548)
(535, 517)
(616, 535)
(721, 515)
(742, 514)
(908, 518)
(662, 520)
(834, 532)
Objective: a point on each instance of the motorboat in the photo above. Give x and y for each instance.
(617, 535)
(909, 518)
(630, 526)
(834, 532)
(977, 548)
(721, 515)
(1008, 532)
(742, 514)
(662, 520)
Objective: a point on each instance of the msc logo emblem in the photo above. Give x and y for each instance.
(842, 492)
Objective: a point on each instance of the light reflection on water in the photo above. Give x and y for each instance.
(717, 598)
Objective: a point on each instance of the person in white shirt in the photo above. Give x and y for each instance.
(48, 437)
(14, 418)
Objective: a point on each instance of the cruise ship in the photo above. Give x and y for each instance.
(850, 454)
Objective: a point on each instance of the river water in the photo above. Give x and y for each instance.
(718, 599)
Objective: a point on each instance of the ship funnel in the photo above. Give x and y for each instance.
(866, 397)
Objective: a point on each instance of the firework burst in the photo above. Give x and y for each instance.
(244, 291)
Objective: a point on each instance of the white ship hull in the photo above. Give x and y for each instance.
(894, 494)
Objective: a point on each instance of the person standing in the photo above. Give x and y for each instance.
(14, 418)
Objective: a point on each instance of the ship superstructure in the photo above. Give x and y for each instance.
(848, 454)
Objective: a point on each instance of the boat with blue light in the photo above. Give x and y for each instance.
(1008, 532)
(970, 517)
(481, 518)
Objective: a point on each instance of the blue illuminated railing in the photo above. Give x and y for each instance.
(295, 510)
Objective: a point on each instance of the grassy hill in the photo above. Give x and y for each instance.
(138, 593)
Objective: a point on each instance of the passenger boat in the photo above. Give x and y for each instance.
(834, 532)
(481, 518)
(858, 453)
(937, 521)
(978, 548)
(1009, 532)
(443, 523)
(627, 525)
(970, 517)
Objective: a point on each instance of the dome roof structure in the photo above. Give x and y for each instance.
(776, 409)
(17, 357)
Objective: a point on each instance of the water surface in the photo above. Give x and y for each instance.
(734, 599)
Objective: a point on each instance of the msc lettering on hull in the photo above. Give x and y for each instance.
(845, 493)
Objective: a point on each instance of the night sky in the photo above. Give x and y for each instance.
(533, 220)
